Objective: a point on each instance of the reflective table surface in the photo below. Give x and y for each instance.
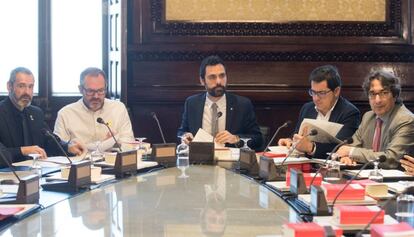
(211, 201)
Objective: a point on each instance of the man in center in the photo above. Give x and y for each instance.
(327, 105)
(226, 116)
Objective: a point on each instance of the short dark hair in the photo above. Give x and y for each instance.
(209, 61)
(326, 73)
(388, 80)
(91, 71)
(16, 71)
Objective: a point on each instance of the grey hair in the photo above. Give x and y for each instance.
(17, 70)
(91, 71)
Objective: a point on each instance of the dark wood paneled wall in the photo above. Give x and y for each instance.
(267, 62)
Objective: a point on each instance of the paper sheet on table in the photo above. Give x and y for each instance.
(327, 131)
(203, 136)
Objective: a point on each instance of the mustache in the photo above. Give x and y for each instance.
(25, 96)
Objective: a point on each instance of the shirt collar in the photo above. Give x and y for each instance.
(329, 111)
(221, 103)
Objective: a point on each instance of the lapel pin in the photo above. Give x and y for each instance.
(31, 117)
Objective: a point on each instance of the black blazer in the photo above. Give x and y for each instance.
(9, 139)
(240, 118)
(344, 113)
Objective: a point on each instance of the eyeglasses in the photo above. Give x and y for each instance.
(92, 92)
(382, 94)
(320, 94)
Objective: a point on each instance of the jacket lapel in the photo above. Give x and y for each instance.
(231, 105)
(199, 110)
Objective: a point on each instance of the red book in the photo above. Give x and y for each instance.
(9, 211)
(303, 230)
(396, 230)
(352, 192)
(308, 178)
(358, 215)
(273, 155)
(309, 229)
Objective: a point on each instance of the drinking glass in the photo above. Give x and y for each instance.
(245, 140)
(141, 148)
(183, 161)
(36, 168)
(405, 209)
(333, 172)
(376, 175)
(97, 154)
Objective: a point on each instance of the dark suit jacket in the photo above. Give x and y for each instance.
(240, 118)
(9, 139)
(344, 113)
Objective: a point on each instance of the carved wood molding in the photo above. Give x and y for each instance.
(392, 27)
(274, 56)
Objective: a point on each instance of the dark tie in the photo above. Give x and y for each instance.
(27, 138)
(376, 142)
(214, 120)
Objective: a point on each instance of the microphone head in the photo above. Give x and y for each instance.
(45, 131)
(349, 140)
(219, 114)
(100, 120)
(382, 158)
(287, 123)
(313, 132)
(154, 115)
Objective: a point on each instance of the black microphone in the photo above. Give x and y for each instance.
(346, 141)
(408, 190)
(286, 124)
(101, 121)
(380, 159)
(154, 116)
(56, 139)
(4, 158)
(312, 132)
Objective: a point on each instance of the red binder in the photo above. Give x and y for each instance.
(398, 230)
(352, 192)
(358, 215)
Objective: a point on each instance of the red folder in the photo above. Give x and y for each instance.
(352, 192)
(9, 211)
(309, 229)
(358, 215)
(403, 229)
(308, 178)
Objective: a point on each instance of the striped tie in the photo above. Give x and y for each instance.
(376, 143)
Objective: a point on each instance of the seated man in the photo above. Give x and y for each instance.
(388, 129)
(328, 105)
(226, 116)
(79, 120)
(22, 125)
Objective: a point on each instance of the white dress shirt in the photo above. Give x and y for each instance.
(76, 121)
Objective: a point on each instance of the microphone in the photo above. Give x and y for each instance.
(312, 132)
(101, 121)
(4, 158)
(380, 159)
(56, 139)
(154, 116)
(286, 124)
(346, 141)
(408, 190)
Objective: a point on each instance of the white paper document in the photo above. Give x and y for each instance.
(203, 136)
(327, 131)
(385, 173)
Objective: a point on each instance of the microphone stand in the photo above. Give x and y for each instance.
(286, 124)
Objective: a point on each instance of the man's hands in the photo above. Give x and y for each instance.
(226, 137)
(187, 138)
(303, 144)
(26, 150)
(76, 148)
(344, 154)
(408, 164)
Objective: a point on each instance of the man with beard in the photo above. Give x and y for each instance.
(226, 116)
(22, 125)
(78, 120)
